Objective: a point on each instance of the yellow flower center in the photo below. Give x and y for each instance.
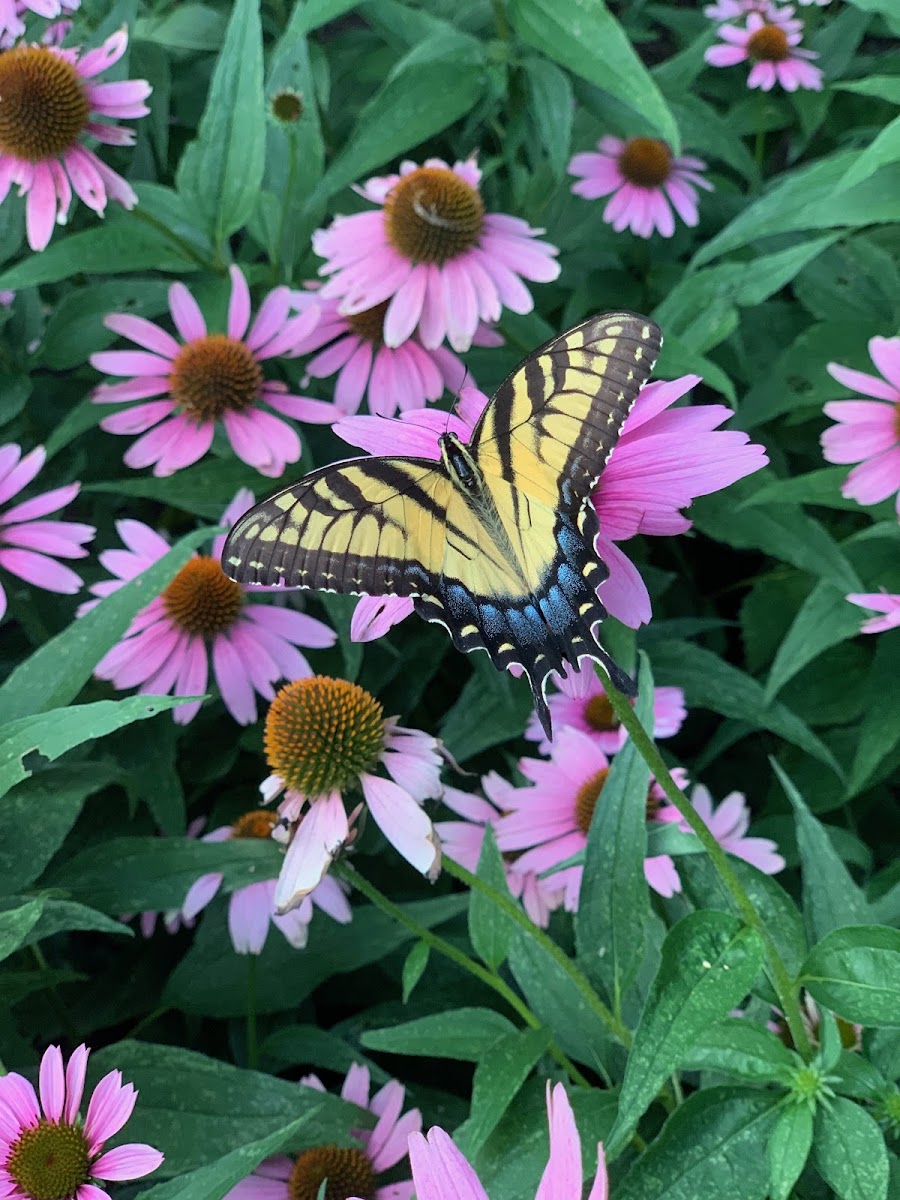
(769, 44)
(322, 733)
(258, 823)
(348, 1171)
(369, 325)
(43, 107)
(598, 712)
(49, 1161)
(433, 215)
(214, 375)
(646, 162)
(201, 599)
(586, 799)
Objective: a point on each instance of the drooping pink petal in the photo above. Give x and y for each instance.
(321, 833)
(404, 823)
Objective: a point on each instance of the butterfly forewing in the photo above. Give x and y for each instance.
(553, 423)
(369, 525)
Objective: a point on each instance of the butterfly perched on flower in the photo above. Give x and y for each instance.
(496, 540)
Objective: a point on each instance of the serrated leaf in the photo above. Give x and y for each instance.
(738, 1047)
(709, 962)
(849, 1152)
(497, 1080)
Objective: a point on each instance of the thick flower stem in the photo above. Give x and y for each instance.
(510, 909)
(490, 978)
(779, 975)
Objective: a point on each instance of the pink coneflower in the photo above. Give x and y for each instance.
(879, 602)
(46, 1149)
(12, 12)
(29, 546)
(662, 462)
(772, 43)
(728, 10)
(646, 181)
(323, 737)
(583, 704)
(440, 1171)
(404, 377)
(728, 822)
(210, 378)
(350, 1171)
(48, 102)
(462, 841)
(252, 908)
(434, 253)
(547, 822)
(868, 431)
(202, 614)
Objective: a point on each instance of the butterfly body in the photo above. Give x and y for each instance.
(495, 539)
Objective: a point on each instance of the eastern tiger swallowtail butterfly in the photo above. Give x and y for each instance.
(495, 541)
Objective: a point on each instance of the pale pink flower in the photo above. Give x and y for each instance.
(383, 1147)
(646, 181)
(45, 157)
(432, 251)
(12, 12)
(441, 1172)
(7, 298)
(29, 546)
(879, 602)
(662, 461)
(462, 841)
(728, 822)
(206, 379)
(48, 1149)
(172, 919)
(547, 822)
(728, 10)
(582, 703)
(868, 431)
(252, 908)
(392, 378)
(202, 615)
(323, 737)
(772, 43)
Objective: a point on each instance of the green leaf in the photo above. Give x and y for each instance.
(16, 923)
(465, 1034)
(55, 674)
(789, 1149)
(489, 928)
(156, 873)
(825, 619)
(884, 149)
(817, 487)
(886, 87)
(705, 889)
(435, 84)
(588, 40)
(849, 1151)
(710, 682)
(204, 489)
(809, 198)
(192, 1106)
(879, 731)
(54, 733)
(856, 972)
(187, 27)
(498, 1078)
(709, 962)
(614, 903)
(211, 979)
(320, 12)
(221, 170)
(212, 1182)
(492, 708)
(551, 107)
(740, 1048)
(75, 327)
(58, 794)
(830, 897)
(62, 916)
(713, 1145)
(414, 968)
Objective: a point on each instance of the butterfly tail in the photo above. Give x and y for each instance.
(618, 678)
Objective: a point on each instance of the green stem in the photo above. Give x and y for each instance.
(500, 21)
(185, 247)
(490, 978)
(252, 1046)
(779, 975)
(510, 909)
(281, 259)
